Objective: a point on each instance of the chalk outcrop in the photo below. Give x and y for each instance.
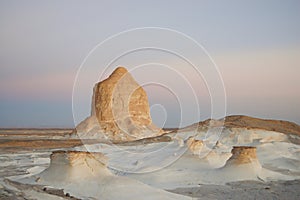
(242, 165)
(195, 146)
(121, 98)
(73, 166)
(120, 111)
(85, 175)
(242, 155)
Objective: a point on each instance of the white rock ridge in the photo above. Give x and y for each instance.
(120, 111)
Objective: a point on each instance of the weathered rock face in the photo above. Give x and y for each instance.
(242, 165)
(74, 166)
(119, 98)
(73, 158)
(195, 146)
(120, 110)
(242, 155)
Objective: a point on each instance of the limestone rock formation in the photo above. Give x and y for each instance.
(74, 166)
(242, 155)
(246, 122)
(84, 175)
(120, 97)
(120, 111)
(242, 165)
(195, 146)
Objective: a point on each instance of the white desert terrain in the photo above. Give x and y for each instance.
(118, 153)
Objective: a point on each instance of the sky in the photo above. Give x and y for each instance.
(255, 45)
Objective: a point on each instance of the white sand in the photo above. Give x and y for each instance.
(146, 171)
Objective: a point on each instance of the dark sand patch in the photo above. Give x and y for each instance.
(245, 190)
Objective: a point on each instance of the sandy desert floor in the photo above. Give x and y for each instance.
(27, 152)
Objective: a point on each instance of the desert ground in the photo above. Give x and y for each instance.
(26, 154)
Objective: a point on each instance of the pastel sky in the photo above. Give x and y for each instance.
(255, 44)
